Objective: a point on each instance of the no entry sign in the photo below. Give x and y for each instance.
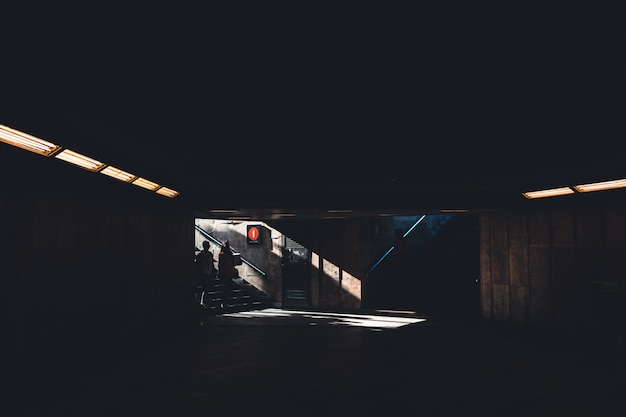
(254, 233)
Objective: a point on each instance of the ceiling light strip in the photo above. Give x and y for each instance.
(42, 147)
(27, 142)
(552, 192)
(118, 174)
(80, 160)
(144, 183)
(167, 192)
(600, 186)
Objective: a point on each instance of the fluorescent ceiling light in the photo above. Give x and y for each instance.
(167, 192)
(80, 160)
(118, 174)
(548, 193)
(339, 211)
(224, 211)
(144, 183)
(26, 141)
(599, 186)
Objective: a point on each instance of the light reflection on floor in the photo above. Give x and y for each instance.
(376, 321)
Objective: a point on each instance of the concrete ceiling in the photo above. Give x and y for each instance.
(375, 111)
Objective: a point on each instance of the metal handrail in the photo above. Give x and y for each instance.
(218, 242)
(382, 258)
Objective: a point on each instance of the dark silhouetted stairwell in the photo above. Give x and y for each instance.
(214, 299)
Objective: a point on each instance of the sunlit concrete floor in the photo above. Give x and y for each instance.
(281, 362)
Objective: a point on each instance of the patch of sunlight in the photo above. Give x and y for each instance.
(259, 313)
(379, 320)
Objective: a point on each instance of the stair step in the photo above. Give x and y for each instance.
(242, 296)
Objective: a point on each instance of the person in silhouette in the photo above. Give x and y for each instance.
(205, 270)
(226, 269)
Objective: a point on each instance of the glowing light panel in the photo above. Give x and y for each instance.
(144, 183)
(167, 192)
(26, 141)
(118, 174)
(80, 160)
(599, 186)
(548, 193)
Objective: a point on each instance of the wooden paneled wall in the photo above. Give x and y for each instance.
(537, 267)
(81, 274)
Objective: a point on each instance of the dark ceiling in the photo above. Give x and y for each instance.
(380, 110)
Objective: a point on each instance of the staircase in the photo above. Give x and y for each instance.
(243, 297)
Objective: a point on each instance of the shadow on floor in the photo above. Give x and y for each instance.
(296, 363)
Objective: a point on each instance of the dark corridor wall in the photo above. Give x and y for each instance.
(82, 278)
(538, 268)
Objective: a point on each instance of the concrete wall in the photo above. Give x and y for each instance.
(337, 270)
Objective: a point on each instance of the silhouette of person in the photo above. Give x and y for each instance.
(226, 269)
(205, 270)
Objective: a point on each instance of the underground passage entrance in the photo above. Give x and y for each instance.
(296, 263)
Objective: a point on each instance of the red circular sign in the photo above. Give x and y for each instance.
(253, 233)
